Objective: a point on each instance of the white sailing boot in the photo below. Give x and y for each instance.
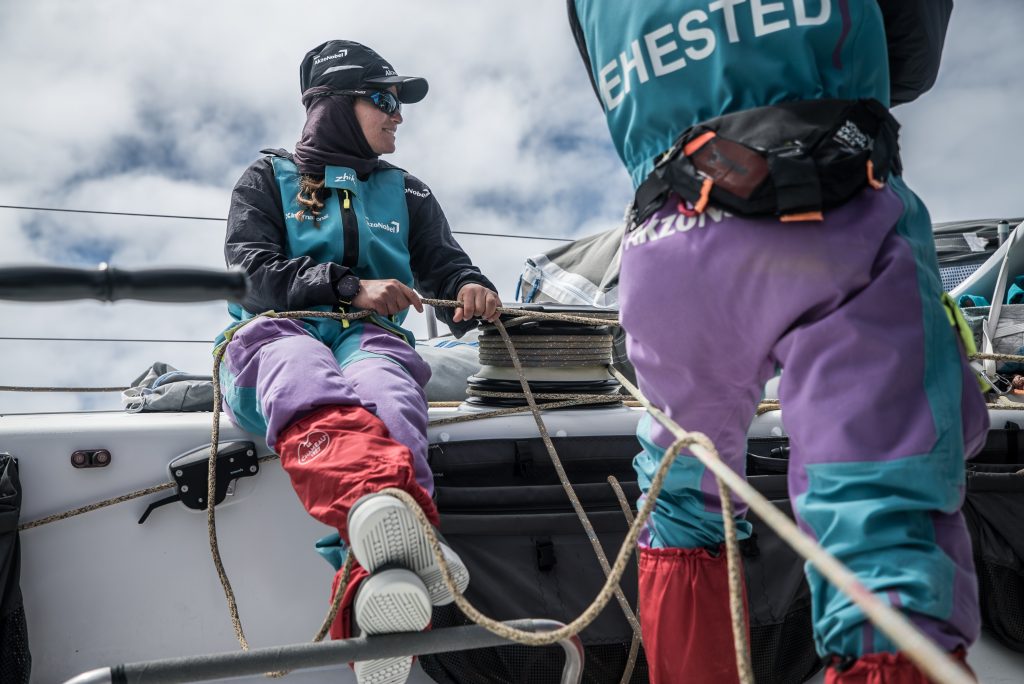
(384, 532)
(387, 602)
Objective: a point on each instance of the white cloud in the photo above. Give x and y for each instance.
(158, 107)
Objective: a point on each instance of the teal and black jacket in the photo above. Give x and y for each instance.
(388, 225)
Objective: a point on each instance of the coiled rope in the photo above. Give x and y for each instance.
(548, 351)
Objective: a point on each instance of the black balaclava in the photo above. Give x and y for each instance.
(332, 135)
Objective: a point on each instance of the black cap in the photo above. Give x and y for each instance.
(347, 65)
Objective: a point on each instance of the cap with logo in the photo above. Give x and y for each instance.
(347, 65)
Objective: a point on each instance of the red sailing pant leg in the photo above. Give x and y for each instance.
(336, 455)
(884, 668)
(685, 617)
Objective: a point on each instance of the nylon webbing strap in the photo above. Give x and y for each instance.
(795, 177)
(649, 196)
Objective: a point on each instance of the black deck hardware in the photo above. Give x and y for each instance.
(90, 458)
(189, 472)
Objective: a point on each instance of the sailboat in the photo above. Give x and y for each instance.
(107, 590)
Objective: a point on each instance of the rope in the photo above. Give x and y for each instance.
(539, 362)
(110, 502)
(546, 351)
(1004, 404)
(548, 342)
(211, 489)
(559, 396)
(523, 316)
(95, 506)
(737, 611)
(564, 479)
(997, 357)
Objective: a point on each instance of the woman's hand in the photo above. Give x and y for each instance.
(477, 300)
(386, 297)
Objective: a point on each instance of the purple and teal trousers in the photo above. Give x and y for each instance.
(344, 407)
(276, 371)
(877, 398)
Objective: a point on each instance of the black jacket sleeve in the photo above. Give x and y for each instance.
(581, 45)
(255, 242)
(440, 265)
(915, 31)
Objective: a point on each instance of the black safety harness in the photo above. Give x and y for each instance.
(792, 160)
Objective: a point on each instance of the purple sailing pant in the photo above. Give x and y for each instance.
(276, 371)
(878, 401)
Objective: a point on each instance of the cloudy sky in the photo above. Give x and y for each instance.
(157, 107)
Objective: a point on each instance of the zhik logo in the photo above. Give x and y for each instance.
(314, 445)
(344, 177)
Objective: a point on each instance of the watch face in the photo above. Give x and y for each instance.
(348, 287)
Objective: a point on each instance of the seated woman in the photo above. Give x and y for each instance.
(333, 228)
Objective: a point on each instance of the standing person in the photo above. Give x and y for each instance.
(826, 271)
(332, 227)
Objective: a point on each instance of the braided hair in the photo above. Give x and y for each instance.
(311, 194)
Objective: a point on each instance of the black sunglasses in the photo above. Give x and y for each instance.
(384, 100)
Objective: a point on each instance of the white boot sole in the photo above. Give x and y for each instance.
(389, 602)
(383, 531)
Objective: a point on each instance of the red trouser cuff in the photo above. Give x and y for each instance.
(341, 628)
(883, 668)
(338, 454)
(685, 616)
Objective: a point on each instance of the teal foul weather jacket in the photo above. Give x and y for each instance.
(387, 225)
(661, 66)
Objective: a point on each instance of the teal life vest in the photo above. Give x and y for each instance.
(661, 66)
(364, 225)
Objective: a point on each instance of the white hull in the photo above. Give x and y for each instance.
(101, 590)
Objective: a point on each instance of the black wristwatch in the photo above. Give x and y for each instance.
(347, 288)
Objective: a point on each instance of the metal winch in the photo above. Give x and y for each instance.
(558, 358)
